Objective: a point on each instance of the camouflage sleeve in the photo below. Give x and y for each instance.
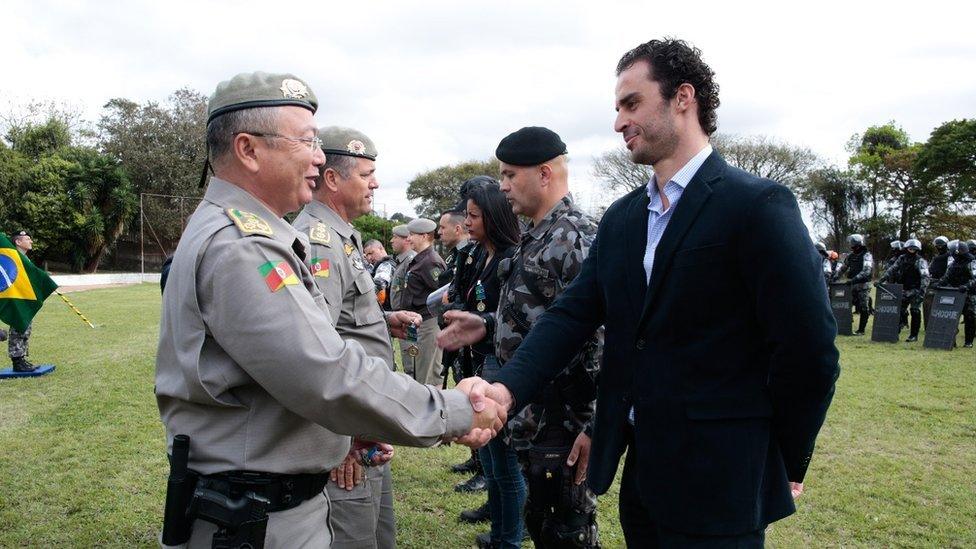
(384, 274)
(569, 247)
(923, 267)
(865, 274)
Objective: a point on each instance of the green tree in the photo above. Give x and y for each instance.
(835, 200)
(767, 157)
(374, 227)
(949, 158)
(40, 140)
(437, 189)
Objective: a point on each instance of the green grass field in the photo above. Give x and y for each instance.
(82, 459)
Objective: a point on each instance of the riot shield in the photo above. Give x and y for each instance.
(887, 314)
(840, 303)
(943, 324)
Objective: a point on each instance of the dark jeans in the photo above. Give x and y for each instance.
(640, 530)
(506, 486)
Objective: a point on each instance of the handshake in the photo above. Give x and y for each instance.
(491, 403)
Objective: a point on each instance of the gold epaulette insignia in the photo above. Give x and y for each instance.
(320, 234)
(249, 223)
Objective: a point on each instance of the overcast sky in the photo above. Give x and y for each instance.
(441, 82)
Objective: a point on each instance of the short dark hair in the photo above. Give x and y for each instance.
(672, 63)
(456, 216)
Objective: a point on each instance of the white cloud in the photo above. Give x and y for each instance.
(441, 82)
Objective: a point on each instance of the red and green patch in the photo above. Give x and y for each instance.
(277, 274)
(320, 267)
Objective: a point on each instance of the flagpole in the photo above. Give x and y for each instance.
(75, 309)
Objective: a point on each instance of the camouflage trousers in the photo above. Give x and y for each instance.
(17, 343)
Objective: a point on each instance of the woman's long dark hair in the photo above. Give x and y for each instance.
(501, 225)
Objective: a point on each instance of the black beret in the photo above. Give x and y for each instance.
(530, 146)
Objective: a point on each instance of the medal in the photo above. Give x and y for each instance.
(479, 294)
(412, 333)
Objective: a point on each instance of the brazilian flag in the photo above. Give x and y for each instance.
(23, 287)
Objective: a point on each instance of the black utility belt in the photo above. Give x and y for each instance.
(282, 491)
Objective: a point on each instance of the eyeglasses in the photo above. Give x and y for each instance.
(312, 142)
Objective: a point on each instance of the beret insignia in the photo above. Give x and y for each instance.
(356, 147)
(293, 89)
(319, 234)
(249, 223)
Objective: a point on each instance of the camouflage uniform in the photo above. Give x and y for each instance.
(961, 275)
(858, 267)
(548, 258)
(17, 345)
(382, 279)
(912, 272)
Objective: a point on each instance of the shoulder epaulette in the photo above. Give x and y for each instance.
(249, 223)
(320, 233)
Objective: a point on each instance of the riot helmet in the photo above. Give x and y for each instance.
(856, 241)
(953, 246)
(963, 247)
(940, 243)
(913, 244)
(896, 245)
(821, 249)
(971, 244)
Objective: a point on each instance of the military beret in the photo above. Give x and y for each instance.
(21, 232)
(260, 89)
(347, 142)
(422, 226)
(401, 230)
(530, 146)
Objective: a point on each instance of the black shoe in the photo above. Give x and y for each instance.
(911, 339)
(3, 335)
(859, 333)
(968, 345)
(474, 516)
(483, 541)
(21, 364)
(467, 467)
(474, 484)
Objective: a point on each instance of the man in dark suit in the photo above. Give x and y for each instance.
(719, 362)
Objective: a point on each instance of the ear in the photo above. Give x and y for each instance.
(245, 150)
(331, 180)
(684, 97)
(545, 171)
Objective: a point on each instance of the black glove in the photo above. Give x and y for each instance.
(963, 289)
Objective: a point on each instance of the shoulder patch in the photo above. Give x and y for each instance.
(320, 234)
(249, 223)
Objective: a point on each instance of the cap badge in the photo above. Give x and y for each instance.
(356, 147)
(293, 89)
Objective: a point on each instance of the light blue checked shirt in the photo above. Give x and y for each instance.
(658, 217)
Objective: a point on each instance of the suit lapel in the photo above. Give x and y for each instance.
(694, 197)
(636, 225)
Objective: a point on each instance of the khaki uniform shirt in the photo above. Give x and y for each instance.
(340, 272)
(250, 366)
(400, 279)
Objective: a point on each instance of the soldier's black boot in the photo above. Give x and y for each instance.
(862, 324)
(469, 466)
(476, 483)
(481, 514)
(21, 364)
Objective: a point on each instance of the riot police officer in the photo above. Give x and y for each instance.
(937, 269)
(827, 266)
(857, 267)
(912, 272)
(961, 275)
(897, 250)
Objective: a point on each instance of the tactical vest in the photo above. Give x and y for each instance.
(855, 263)
(939, 265)
(958, 273)
(910, 276)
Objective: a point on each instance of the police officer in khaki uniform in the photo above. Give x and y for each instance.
(249, 365)
(421, 278)
(403, 254)
(362, 513)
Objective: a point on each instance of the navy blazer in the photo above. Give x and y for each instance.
(727, 355)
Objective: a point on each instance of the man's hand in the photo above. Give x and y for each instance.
(462, 329)
(398, 321)
(479, 390)
(580, 457)
(489, 418)
(349, 473)
(796, 489)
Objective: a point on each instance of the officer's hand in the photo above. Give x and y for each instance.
(963, 289)
(796, 489)
(349, 473)
(398, 321)
(485, 425)
(462, 329)
(580, 456)
(372, 453)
